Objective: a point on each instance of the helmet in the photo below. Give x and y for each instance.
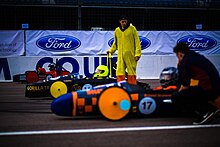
(52, 66)
(101, 71)
(169, 77)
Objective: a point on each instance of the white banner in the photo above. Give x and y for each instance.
(59, 43)
(162, 42)
(12, 43)
(149, 66)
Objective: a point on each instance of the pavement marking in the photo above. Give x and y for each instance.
(100, 130)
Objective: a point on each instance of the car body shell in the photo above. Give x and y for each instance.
(43, 88)
(142, 102)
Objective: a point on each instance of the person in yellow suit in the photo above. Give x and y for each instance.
(127, 42)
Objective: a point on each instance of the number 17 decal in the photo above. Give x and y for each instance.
(147, 105)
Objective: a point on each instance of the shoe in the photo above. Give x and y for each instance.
(207, 118)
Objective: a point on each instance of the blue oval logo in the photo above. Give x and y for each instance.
(198, 42)
(110, 42)
(145, 43)
(58, 43)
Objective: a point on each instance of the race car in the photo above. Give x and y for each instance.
(61, 85)
(117, 100)
(40, 74)
(54, 87)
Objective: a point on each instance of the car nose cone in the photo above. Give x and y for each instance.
(63, 105)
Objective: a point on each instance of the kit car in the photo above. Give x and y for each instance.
(55, 87)
(115, 101)
(40, 74)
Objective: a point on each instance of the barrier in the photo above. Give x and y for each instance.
(149, 66)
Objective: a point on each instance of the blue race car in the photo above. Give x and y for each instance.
(118, 99)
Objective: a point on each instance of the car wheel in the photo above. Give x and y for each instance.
(57, 89)
(114, 103)
(31, 77)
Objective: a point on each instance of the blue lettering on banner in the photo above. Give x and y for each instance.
(42, 61)
(58, 43)
(72, 61)
(104, 60)
(145, 42)
(86, 66)
(5, 68)
(96, 64)
(198, 42)
(60, 63)
(75, 64)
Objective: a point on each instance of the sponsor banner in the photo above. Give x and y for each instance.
(59, 43)
(149, 66)
(162, 42)
(12, 43)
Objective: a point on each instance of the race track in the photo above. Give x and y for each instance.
(29, 122)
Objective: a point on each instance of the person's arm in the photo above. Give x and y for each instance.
(184, 73)
(137, 45)
(113, 48)
(183, 88)
(137, 58)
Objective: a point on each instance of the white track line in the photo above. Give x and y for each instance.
(99, 130)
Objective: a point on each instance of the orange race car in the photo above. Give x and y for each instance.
(116, 100)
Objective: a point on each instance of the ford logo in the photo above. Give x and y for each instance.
(198, 42)
(145, 43)
(58, 43)
(110, 42)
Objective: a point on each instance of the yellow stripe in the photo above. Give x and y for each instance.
(74, 95)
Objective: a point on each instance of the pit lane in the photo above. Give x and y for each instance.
(29, 122)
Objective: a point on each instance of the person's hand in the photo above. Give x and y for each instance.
(108, 53)
(137, 58)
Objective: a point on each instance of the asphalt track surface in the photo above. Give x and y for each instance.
(29, 122)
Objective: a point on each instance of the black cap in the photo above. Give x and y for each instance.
(123, 17)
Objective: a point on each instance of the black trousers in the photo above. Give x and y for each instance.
(193, 100)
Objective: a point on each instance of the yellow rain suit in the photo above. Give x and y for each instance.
(127, 43)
